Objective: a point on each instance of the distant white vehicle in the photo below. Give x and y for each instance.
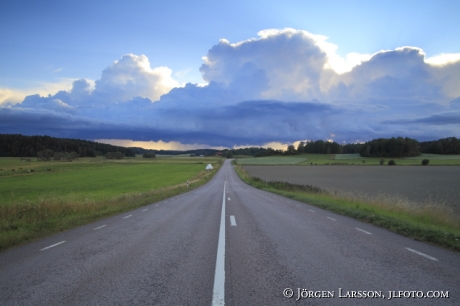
(209, 167)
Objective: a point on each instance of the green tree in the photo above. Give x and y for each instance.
(301, 147)
(45, 155)
(291, 150)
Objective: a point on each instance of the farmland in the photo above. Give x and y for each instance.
(436, 184)
(93, 179)
(421, 202)
(348, 159)
(38, 198)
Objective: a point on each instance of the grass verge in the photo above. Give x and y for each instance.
(25, 222)
(434, 224)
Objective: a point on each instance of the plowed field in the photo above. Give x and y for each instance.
(438, 184)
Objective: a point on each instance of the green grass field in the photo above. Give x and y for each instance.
(61, 195)
(93, 180)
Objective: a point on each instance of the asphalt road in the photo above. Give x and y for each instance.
(184, 251)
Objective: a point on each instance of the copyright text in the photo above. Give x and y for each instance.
(301, 293)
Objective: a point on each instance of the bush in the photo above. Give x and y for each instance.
(45, 155)
(425, 162)
(382, 161)
(149, 155)
(64, 156)
(114, 155)
(391, 163)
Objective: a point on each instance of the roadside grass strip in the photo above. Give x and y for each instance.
(435, 224)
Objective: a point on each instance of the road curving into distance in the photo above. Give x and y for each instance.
(259, 250)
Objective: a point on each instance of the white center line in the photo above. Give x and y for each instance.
(127, 217)
(218, 293)
(157, 205)
(421, 254)
(99, 227)
(229, 199)
(311, 210)
(365, 232)
(232, 220)
(51, 246)
(331, 218)
(145, 209)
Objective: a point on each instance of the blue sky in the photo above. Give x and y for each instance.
(274, 72)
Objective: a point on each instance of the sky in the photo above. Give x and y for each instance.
(229, 74)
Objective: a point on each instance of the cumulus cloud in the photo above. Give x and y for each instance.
(38, 102)
(10, 96)
(132, 76)
(401, 74)
(283, 86)
(280, 64)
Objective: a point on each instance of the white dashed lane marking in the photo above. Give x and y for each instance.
(365, 232)
(127, 216)
(232, 221)
(52, 246)
(421, 254)
(311, 210)
(145, 209)
(331, 218)
(100, 227)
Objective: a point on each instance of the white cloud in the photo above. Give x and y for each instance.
(132, 76)
(17, 95)
(280, 64)
(446, 74)
(443, 59)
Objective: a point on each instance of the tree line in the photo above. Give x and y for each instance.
(408, 147)
(390, 147)
(16, 145)
(381, 147)
(450, 145)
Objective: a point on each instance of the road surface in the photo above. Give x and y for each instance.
(227, 242)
